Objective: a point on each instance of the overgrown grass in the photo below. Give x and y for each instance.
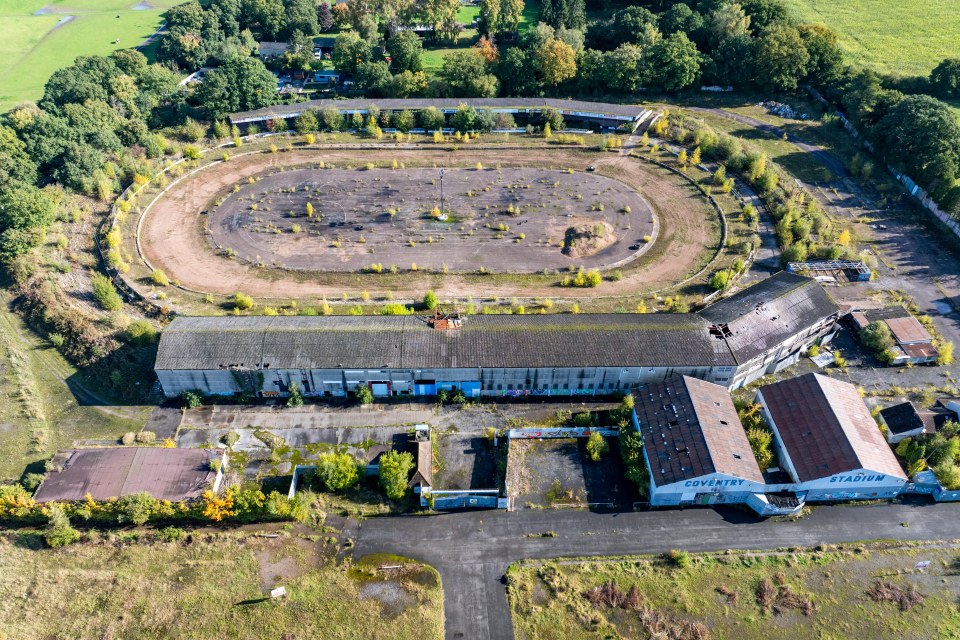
(909, 37)
(213, 587)
(549, 600)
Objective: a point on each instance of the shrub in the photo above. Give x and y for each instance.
(31, 481)
(146, 437)
(395, 468)
(680, 559)
(430, 301)
(136, 508)
(396, 309)
(191, 399)
(296, 397)
(105, 293)
(364, 395)
(58, 532)
(129, 438)
(761, 443)
(171, 534)
(596, 446)
(191, 152)
(721, 280)
(242, 301)
(141, 332)
(159, 278)
(230, 438)
(337, 471)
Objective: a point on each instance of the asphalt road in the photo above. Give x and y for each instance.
(472, 550)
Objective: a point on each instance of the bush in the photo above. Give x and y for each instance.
(146, 437)
(242, 301)
(680, 559)
(230, 438)
(596, 446)
(364, 395)
(430, 301)
(395, 468)
(31, 481)
(296, 398)
(58, 532)
(191, 399)
(337, 471)
(171, 534)
(105, 293)
(721, 280)
(141, 332)
(159, 278)
(761, 443)
(136, 508)
(129, 438)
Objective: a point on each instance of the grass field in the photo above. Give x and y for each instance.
(212, 588)
(724, 593)
(902, 36)
(41, 37)
(39, 414)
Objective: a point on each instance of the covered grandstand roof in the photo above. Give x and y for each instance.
(826, 428)
(766, 314)
(691, 429)
(729, 333)
(402, 342)
(566, 107)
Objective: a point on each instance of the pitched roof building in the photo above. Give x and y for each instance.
(827, 440)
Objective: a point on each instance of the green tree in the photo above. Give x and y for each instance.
(136, 508)
(511, 12)
(945, 78)
(191, 399)
(364, 395)
(721, 280)
(349, 52)
(556, 61)
(464, 75)
(296, 397)
(781, 58)
(464, 118)
(405, 50)
(826, 57)
(241, 84)
(395, 468)
(306, 122)
(337, 471)
(490, 16)
(404, 121)
(596, 446)
(332, 119)
(430, 301)
(58, 532)
(674, 63)
(516, 72)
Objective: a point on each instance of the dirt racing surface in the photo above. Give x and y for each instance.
(172, 238)
(514, 219)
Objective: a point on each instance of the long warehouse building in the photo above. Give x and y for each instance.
(757, 331)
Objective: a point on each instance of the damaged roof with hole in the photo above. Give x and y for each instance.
(768, 313)
(403, 342)
(113, 472)
(826, 428)
(690, 429)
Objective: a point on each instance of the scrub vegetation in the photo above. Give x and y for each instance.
(818, 593)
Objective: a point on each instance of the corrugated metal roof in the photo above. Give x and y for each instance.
(902, 418)
(398, 104)
(768, 313)
(166, 474)
(691, 429)
(405, 342)
(908, 330)
(826, 428)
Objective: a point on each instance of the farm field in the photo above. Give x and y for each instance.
(862, 591)
(908, 37)
(41, 37)
(170, 590)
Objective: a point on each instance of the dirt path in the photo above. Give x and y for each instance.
(171, 238)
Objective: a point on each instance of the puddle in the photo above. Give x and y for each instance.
(943, 308)
(143, 6)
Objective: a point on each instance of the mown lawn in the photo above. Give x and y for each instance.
(906, 36)
(721, 592)
(41, 37)
(212, 587)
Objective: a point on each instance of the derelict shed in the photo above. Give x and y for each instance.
(769, 324)
(694, 444)
(827, 440)
(113, 472)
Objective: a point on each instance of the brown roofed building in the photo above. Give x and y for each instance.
(827, 440)
(113, 472)
(695, 447)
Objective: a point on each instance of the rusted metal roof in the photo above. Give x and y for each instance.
(690, 429)
(826, 428)
(104, 473)
(908, 330)
(920, 350)
(423, 475)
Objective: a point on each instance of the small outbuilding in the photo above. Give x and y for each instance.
(904, 420)
(114, 472)
(695, 447)
(272, 49)
(827, 440)
(913, 343)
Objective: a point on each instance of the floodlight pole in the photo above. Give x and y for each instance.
(441, 192)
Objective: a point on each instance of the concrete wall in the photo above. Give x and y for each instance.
(714, 488)
(857, 484)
